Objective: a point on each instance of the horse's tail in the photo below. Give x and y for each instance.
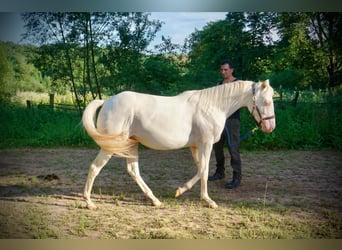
(119, 145)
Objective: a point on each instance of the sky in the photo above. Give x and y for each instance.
(177, 25)
(11, 27)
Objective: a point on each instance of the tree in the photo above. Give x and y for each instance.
(293, 53)
(311, 43)
(124, 57)
(55, 28)
(5, 75)
(228, 39)
(262, 27)
(326, 32)
(81, 36)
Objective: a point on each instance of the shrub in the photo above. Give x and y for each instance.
(40, 127)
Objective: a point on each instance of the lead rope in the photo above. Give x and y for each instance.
(244, 137)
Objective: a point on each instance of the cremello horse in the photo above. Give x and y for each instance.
(193, 119)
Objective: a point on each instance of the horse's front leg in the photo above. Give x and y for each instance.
(204, 152)
(101, 159)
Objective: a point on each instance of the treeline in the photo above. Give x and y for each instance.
(91, 54)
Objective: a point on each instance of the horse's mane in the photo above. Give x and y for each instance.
(220, 96)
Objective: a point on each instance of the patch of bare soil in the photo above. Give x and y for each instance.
(53, 180)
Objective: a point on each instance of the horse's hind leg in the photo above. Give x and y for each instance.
(101, 159)
(133, 170)
(190, 183)
(201, 156)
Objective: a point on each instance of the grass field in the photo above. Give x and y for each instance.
(284, 194)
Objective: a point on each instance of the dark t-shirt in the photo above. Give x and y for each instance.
(236, 114)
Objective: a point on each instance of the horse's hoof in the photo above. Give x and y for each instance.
(157, 203)
(178, 192)
(213, 205)
(91, 206)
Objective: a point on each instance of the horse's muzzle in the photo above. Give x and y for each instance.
(268, 125)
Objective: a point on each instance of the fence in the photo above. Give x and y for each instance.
(52, 105)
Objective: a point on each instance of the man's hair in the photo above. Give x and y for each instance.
(227, 62)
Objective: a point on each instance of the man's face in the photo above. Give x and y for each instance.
(226, 71)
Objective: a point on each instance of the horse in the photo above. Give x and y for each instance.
(193, 119)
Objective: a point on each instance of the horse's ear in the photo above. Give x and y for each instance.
(265, 84)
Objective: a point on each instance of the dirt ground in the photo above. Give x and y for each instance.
(303, 185)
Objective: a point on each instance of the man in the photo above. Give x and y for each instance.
(231, 134)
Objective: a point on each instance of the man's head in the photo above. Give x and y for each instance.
(226, 70)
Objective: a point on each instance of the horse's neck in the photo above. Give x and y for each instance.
(234, 96)
(221, 100)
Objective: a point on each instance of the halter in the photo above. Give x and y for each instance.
(252, 131)
(255, 107)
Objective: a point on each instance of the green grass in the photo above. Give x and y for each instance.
(40, 127)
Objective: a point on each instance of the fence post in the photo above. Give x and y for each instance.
(295, 99)
(281, 96)
(28, 104)
(52, 100)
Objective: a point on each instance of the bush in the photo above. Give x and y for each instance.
(40, 127)
(304, 126)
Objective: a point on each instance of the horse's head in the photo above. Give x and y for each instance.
(261, 105)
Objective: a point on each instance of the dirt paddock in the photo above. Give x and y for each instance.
(284, 194)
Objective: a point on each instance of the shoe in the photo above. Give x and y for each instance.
(233, 184)
(216, 176)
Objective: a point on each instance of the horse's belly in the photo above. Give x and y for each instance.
(162, 145)
(163, 139)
